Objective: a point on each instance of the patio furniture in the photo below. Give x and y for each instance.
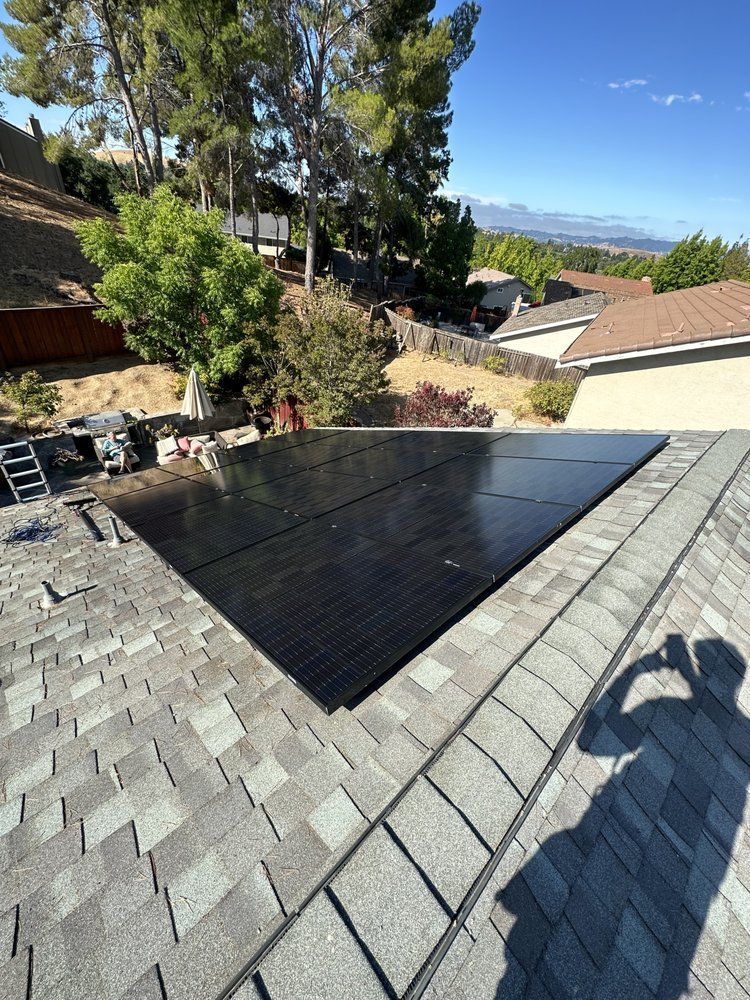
(238, 435)
(169, 450)
(110, 465)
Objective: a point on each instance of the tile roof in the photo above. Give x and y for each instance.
(491, 276)
(618, 288)
(557, 312)
(173, 807)
(690, 316)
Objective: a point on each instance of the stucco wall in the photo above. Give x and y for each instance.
(547, 343)
(503, 296)
(689, 390)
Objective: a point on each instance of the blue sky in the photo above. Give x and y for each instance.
(594, 118)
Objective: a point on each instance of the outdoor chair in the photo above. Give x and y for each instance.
(172, 449)
(109, 464)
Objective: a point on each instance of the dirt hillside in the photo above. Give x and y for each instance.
(40, 261)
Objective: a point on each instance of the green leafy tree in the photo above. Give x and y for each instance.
(31, 396)
(695, 260)
(330, 357)
(84, 176)
(184, 293)
(737, 261)
(448, 249)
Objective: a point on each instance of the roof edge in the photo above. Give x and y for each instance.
(595, 359)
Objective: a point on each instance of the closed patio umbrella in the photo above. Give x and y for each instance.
(196, 403)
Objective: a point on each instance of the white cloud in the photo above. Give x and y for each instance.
(669, 99)
(747, 95)
(627, 84)
(726, 200)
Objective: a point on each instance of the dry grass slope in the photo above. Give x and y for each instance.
(40, 261)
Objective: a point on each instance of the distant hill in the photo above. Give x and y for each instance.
(40, 259)
(623, 243)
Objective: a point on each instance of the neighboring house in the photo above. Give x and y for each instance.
(681, 359)
(550, 330)
(570, 284)
(273, 231)
(21, 153)
(502, 288)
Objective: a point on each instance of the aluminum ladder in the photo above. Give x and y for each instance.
(17, 472)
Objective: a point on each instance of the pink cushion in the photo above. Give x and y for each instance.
(184, 443)
(196, 447)
(176, 456)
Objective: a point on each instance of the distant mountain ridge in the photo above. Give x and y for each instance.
(646, 244)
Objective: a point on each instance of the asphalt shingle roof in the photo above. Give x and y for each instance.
(171, 801)
(556, 312)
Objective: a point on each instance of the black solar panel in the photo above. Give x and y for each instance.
(334, 602)
(198, 535)
(621, 448)
(177, 494)
(129, 483)
(282, 442)
(573, 483)
(353, 614)
(369, 438)
(245, 475)
(456, 442)
(477, 531)
(206, 462)
(312, 492)
(390, 466)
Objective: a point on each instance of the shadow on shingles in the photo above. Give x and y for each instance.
(616, 904)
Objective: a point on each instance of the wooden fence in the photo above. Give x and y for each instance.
(55, 333)
(472, 351)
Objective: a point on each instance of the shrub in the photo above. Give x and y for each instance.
(433, 406)
(407, 313)
(31, 396)
(329, 357)
(551, 399)
(495, 364)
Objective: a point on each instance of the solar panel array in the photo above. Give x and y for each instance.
(336, 553)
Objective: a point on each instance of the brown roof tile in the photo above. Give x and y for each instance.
(621, 288)
(689, 316)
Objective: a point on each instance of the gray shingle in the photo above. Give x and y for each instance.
(318, 958)
(391, 908)
(439, 840)
(478, 788)
(511, 742)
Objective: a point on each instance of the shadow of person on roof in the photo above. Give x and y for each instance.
(621, 886)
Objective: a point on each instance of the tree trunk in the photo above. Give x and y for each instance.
(156, 132)
(232, 205)
(355, 237)
(136, 167)
(204, 193)
(254, 207)
(312, 207)
(313, 170)
(134, 122)
(375, 256)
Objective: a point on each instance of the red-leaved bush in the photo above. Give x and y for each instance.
(432, 405)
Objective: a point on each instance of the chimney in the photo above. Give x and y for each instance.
(34, 128)
(517, 305)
